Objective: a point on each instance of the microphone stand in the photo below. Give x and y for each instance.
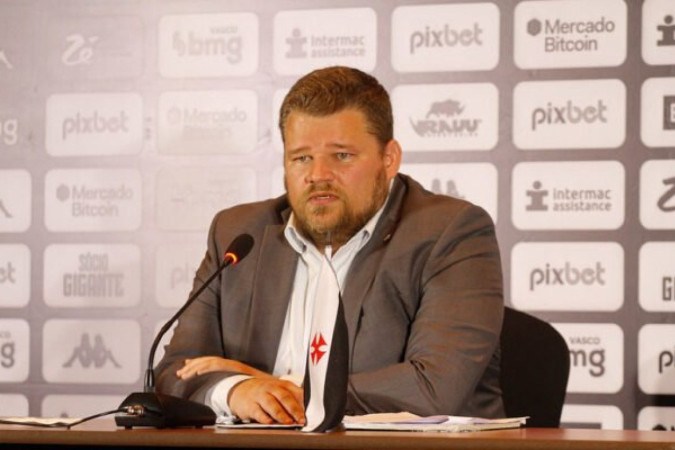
(154, 409)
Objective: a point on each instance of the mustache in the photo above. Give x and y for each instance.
(322, 187)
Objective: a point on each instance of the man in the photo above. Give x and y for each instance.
(419, 274)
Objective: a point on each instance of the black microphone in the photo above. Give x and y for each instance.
(153, 409)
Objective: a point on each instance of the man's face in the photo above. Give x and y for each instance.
(336, 174)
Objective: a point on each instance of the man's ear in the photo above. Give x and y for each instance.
(392, 158)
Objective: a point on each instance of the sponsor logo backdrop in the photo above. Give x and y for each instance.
(125, 125)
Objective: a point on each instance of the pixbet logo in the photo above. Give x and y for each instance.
(569, 113)
(666, 360)
(446, 37)
(567, 275)
(95, 123)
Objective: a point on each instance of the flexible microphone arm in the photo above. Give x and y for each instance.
(152, 409)
(238, 250)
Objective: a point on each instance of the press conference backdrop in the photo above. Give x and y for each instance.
(125, 125)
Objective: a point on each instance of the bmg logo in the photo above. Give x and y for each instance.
(193, 45)
(593, 359)
(7, 352)
(9, 132)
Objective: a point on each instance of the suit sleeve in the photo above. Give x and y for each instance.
(454, 331)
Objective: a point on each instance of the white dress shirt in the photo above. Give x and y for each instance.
(292, 352)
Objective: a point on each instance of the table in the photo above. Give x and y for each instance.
(104, 433)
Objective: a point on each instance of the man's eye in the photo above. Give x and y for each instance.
(301, 158)
(343, 156)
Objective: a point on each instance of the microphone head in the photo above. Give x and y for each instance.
(239, 248)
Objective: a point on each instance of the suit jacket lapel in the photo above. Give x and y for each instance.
(271, 294)
(363, 269)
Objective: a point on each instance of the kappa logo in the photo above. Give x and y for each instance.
(450, 188)
(318, 348)
(87, 354)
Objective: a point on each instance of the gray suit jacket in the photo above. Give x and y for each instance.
(423, 304)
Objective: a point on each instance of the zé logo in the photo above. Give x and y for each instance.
(665, 204)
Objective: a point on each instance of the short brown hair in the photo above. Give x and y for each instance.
(327, 91)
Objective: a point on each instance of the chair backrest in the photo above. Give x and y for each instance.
(535, 366)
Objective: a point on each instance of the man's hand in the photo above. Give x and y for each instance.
(268, 400)
(207, 364)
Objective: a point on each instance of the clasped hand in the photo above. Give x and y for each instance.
(263, 398)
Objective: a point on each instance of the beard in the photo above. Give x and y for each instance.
(335, 224)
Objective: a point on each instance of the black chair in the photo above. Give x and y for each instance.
(535, 366)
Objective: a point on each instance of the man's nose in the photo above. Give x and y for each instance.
(320, 170)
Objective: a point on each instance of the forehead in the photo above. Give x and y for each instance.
(346, 120)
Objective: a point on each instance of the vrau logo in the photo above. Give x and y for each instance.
(88, 354)
(570, 36)
(666, 31)
(446, 37)
(445, 119)
(569, 113)
(568, 199)
(218, 41)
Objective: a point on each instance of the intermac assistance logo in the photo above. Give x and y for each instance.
(570, 33)
(658, 32)
(304, 40)
(568, 195)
